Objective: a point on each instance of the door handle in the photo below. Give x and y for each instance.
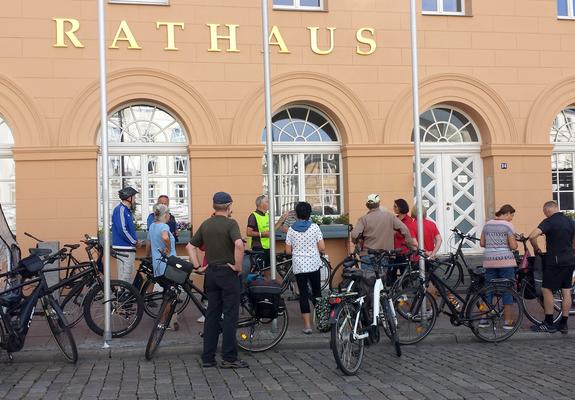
(448, 204)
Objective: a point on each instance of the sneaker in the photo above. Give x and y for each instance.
(234, 364)
(508, 326)
(201, 320)
(307, 331)
(544, 328)
(483, 323)
(209, 364)
(563, 328)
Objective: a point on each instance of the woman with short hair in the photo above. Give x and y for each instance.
(304, 242)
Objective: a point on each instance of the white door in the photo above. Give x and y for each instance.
(452, 186)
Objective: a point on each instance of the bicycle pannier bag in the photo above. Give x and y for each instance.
(32, 264)
(265, 296)
(177, 270)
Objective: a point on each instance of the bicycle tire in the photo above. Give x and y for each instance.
(160, 325)
(73, 304)
(325, 273)
(151, 299)
(339, 341)
(126, 305)
(390, 325)
(247, 335)
(533, 308)
(59, 328)
(452, 274)
(414, 323)
(478, 310)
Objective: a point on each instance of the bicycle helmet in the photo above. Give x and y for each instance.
(127, 192)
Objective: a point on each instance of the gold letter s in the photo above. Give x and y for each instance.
(369, 41)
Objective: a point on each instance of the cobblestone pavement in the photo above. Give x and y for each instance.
(517, 369)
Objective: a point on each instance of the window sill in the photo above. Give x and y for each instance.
(299, 9)
(565, 18)
(140, 2)
(444, 14)
(331, 231)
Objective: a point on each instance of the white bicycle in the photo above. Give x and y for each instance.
(356, 320)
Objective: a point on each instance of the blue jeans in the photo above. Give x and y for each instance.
(368, 260)
(494, 273)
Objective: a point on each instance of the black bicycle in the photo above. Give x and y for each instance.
(254, 334)
(17, 309)
(82, 294)
(484, 308)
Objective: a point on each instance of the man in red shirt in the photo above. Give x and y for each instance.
(401, 209)
(431, 237)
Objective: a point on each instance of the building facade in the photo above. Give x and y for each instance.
(186, 101)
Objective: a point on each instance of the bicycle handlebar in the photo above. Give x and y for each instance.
(463, 235)
(33, 237)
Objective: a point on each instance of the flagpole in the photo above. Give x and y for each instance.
(416, 134)
(105, 172)
(269, 137)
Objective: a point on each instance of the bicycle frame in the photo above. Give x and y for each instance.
(377, 289)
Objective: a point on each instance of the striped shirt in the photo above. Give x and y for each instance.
(497, 252)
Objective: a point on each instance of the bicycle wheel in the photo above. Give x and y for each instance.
(153, 299)
(450, 273)
(325, 273)
(347, 351)
(127, 308)
(60, 330)
(534, 307)
(284, 272)
(256, 334)
(160, 325)
(388, 320)
(72, 303)
(489, 318)
(416, 312)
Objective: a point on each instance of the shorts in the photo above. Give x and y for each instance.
(555, 278)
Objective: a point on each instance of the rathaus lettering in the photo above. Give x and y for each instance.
(68, 33)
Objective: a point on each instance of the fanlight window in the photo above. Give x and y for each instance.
(563, 128)
(144, 124)
(446, 125)
(301, 124)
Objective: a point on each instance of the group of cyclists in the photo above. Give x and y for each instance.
(378, 229)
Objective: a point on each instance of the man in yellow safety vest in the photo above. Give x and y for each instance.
(258, 230)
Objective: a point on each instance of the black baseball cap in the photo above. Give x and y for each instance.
(222, 198)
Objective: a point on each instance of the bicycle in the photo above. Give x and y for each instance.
(84, 290)
(482, 309)
(354, 321)
(284, 269)
(17, 310)
(531, 296)
(254, 334)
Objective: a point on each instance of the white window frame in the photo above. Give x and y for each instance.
(7, 154)
(441, 12)
(145, 151)
(297, 6)
(142, 2)
(563, 148)
(301, 149)
(570, 11)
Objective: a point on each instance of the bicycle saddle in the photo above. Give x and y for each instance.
(39, 252)
(72, 246)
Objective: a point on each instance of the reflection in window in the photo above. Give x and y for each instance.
(562, 135)
(453, 7)
(299, 4)
(148, 150)
(307, 163)
(7, 175)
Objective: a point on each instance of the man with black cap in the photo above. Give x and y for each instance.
(220, 236)
(124, 239)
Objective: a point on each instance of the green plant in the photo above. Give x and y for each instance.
(570, 214)
(342, 219)
(326, 220)
(316, 219)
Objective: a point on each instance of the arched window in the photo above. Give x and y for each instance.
(307, 161)
(7, 175)
(148, 150)
(562, 135)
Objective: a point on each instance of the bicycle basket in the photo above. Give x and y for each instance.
(265, 296)
(177, 270)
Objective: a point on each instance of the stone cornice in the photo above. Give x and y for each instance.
(30, 153)
(377, 150)
(226, 151)
(516, 150)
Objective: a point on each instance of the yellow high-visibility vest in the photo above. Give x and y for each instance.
(263, 222)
